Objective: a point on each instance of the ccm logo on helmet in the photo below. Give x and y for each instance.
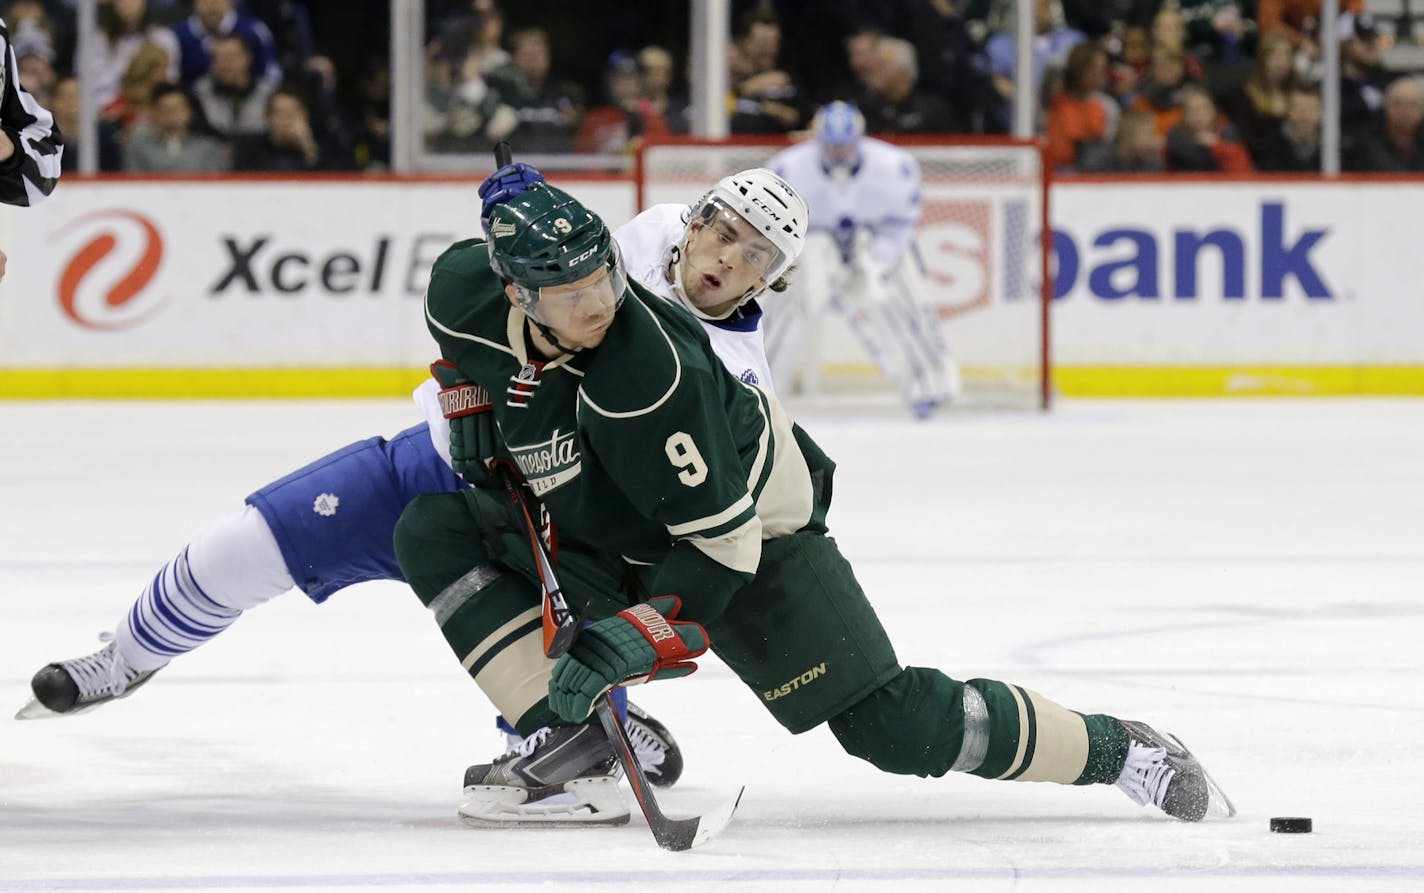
(583, 257)
(770, 211)
(102, 284)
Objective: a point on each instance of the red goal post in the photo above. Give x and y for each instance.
(984, 244)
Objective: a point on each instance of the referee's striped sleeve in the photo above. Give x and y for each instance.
(32, 172)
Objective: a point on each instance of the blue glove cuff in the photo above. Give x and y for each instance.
(503, 185)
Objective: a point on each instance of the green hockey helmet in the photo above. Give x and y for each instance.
(545, 237)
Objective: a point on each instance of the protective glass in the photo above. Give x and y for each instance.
(558, 304)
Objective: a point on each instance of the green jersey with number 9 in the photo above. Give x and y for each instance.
(645, 446)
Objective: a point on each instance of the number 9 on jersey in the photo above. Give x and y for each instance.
(683, 454)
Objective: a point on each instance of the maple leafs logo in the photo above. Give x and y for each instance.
(326, 504)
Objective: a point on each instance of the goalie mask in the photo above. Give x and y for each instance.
(543, 241)
(753, 222)
(838, 127)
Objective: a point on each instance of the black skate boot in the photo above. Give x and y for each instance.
(559, 774)
(74, 686)
(658, 754)
(654, 746)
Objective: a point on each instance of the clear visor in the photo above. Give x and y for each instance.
(557, 305)
(733, 231)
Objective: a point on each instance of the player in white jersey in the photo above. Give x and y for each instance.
(861, 260)
(663, 247)
(289, 533)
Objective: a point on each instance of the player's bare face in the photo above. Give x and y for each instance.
(725, 258)
(581, 312)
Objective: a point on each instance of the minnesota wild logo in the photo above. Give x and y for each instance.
(549, 464)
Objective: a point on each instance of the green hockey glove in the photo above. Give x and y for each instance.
(638, 644)
(472, 428)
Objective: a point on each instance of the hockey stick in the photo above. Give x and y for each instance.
(503, 154)
(561, 624)
(670, 833)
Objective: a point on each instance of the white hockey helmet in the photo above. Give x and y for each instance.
(770, 206)
(839, 127)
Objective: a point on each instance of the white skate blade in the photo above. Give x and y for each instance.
(1218, 806)
(582, 802)
(35, 710)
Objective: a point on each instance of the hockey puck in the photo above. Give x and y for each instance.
(1291, 825)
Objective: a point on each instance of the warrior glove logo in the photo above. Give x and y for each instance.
(463, 400)
(658, 629)
(502, 229)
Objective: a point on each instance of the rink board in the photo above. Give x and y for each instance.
(264, 287)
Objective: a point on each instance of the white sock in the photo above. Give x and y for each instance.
(230, 566)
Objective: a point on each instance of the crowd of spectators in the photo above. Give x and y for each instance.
(185, 86)
(194, 86)
(1214, 87)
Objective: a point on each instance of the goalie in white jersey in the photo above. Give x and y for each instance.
(861, 260)
(709, 257)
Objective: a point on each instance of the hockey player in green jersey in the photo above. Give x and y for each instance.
(688, 512)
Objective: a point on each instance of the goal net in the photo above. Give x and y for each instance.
(983, 259)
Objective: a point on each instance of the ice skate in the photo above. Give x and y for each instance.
(658, 754)
(1161, 771)
(653, 744)
(559, 775)
(75, 686)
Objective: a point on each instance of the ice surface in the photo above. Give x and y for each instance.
(1247, 574)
